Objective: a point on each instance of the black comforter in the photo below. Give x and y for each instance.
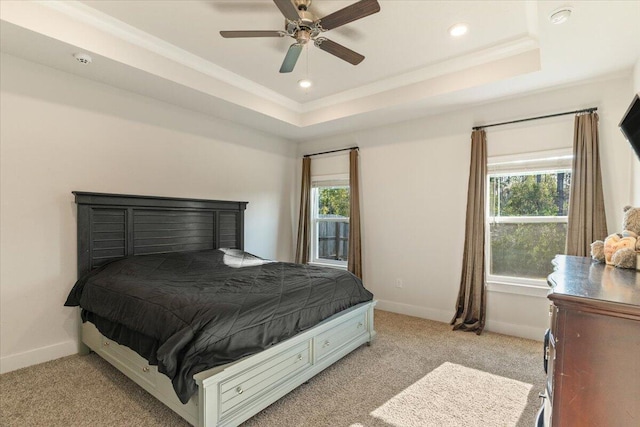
(209, 308)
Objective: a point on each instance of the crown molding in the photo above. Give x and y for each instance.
(492, 54)
(77, 24)
(123, 31)
(475, 76)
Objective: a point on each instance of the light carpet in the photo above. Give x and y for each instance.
(416, 373)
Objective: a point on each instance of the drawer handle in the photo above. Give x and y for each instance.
(299, 357)
(326, 343)
(360, 325)
(106, 344)
(145, 369)
(239, 390)
(542, 397)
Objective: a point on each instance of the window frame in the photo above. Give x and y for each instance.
(521, 164)
(339, 180)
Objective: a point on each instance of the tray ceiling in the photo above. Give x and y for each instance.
(172, 51)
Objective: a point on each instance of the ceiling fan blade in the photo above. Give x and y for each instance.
(292, 57)
(288, 9)
(256, 33)
(349, 14)
(340, 51)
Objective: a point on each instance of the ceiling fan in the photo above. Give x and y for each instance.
(303, 26)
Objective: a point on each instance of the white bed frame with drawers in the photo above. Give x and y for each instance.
(114, 225)
(230, 394)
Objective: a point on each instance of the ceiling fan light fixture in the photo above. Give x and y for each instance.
(458, 30)
(304, 83)
(560, 15)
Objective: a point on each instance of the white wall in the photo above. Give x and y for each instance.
(636, 76)
(330, 164)
(414, 184)
(61, 133)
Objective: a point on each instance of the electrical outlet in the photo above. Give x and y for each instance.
(399, 283)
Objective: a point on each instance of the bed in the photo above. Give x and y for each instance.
(179, 254)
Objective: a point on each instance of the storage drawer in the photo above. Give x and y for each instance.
(138, 370)
(140, 367)
(333, 339)
(263, 377)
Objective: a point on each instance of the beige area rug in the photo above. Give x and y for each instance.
(454, 395)
(416, 373)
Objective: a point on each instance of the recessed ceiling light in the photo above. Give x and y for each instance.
(304, 83)
(560, 15)
(82, 58)
(458, 30)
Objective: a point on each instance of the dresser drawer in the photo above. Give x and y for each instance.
(263, 377)
(335, 338)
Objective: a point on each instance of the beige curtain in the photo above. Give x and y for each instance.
(471, 303)
(355, 249)
(587, 219)
(304, 228)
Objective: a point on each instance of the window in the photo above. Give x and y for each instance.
(330, 222)
(527, 218)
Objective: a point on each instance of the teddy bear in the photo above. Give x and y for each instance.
(621, 249)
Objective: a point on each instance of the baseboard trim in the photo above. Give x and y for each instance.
(67, 348)
(522, 331)
(515, 330)
(416, 311)
(38, 355)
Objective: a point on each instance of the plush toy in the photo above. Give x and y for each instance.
(621, 249)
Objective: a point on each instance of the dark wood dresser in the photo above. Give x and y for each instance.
(593, 350)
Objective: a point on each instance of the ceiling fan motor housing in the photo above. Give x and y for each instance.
(303, 30)
(306, 18)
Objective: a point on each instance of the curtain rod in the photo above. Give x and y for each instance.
(586, 110)
(332, 151)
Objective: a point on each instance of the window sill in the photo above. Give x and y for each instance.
(323, 264)
(518, 289)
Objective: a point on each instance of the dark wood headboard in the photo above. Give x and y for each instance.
(116, 225)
